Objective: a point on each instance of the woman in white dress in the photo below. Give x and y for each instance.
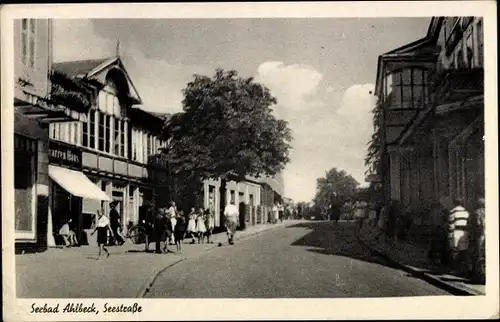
(200, 225)
(191, 228)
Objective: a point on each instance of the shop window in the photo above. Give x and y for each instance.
(24, 179)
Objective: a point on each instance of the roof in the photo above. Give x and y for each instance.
(79, 67)
(91, 68)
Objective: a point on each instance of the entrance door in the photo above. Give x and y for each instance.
(118, 196)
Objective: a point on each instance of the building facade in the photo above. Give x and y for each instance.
(37, 103)
(431, 103)
(117, 144)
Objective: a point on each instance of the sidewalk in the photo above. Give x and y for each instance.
(413, 258)
(75, 272)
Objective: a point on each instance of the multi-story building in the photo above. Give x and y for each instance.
(38, 100)
(430, 115)
(116, 147)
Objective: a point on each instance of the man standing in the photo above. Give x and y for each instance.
(115, 223)
(172, 216)
(231, 215)
(458, 234)
(161, 227)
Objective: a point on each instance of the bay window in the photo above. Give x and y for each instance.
(409, 88)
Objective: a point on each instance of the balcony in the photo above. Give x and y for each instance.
(457, 85)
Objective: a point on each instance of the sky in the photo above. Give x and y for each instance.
(321, 70)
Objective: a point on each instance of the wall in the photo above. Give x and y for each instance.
(37, 75)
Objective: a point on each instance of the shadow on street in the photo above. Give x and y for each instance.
(336, 239)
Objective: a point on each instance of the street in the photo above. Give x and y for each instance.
(306, 260)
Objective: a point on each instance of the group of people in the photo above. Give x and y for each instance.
(167, 225)
(172, 226)
(452, 230)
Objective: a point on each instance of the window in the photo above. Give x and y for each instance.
(479, 41)
(469, 52)
(107, 138)
(85, 132)
(24, 179)
(92, 128)
(117, 136)
(28, 29)
(122, 138)
(134, 145)
(233, 200)
(100, 129)
(409, 87)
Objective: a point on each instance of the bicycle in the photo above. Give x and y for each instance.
(140, 233)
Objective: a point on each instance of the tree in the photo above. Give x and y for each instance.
(336, 187)
(227, 130)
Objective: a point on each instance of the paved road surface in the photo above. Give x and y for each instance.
(308, 260)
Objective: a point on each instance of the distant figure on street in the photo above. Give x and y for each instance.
(334, 212)
(160, 231)
(116, 223)
(382, 223)
(458, 222)
(68, 234)
(180, 230)
(172, 215)
(360, 210)
(480, 219)
(231, 214)
(438, 246)
(210, 224)
(200, 225)
(275, 212)
(281, 212)
(102, 227)
(191, 227)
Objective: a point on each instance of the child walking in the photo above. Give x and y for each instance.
(200, 226)
(191, 228)
(180, 231)
(102, 227)
(210, 224)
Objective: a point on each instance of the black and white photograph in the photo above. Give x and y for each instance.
(161, 160)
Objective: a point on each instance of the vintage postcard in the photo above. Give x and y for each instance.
(294, 160)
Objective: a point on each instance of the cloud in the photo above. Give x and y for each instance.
(294, 85)
(329, 130)
(158, 82)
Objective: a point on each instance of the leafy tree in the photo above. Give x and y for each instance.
(336, 187)
(227, 130)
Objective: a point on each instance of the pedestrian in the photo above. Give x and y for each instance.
(438, 241)
(102, 227)
(180, 230)
(201, 229)
(172, 215)
(372, 214)
(281, 212)
(360, 209)
(68, 234)
(210, 224)
(231, 214)
(458, 234)
(480, 236)
(275, 213)
(191, 227)
(335, 212)
(116, 223)
(382, 223)
(160, 231)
